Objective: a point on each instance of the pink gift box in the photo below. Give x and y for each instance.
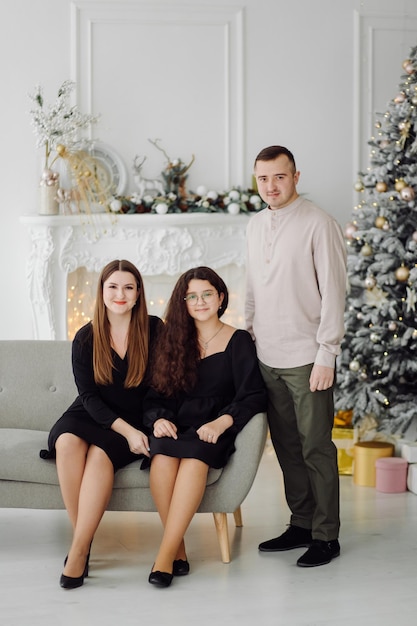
(391, 474)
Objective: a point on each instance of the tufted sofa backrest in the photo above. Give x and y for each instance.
(36, 383)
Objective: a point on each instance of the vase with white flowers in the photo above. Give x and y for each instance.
(56, 125)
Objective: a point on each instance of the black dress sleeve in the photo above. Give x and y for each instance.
(250, 392)
(157, 406)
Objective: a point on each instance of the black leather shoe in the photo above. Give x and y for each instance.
(293, 537)
(180, 567)
(71, 582)
(319, 553)
(160, 579)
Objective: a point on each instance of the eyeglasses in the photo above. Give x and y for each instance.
(206, 296)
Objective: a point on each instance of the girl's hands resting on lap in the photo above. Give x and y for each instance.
(164, 428)
(211, 431)
(138, 442)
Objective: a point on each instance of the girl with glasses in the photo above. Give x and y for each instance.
(206, 386)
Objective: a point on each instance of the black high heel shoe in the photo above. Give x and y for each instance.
(87, 563)
(72, 582)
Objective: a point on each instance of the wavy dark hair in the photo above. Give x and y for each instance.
(138, 338)
(176, 356)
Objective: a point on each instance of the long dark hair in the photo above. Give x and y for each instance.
(138, 338)
(177, 354)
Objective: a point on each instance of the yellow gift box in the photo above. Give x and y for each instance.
(343, 439)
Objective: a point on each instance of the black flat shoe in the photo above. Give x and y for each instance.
(180, 567)
(160, 579)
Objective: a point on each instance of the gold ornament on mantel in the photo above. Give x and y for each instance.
(91, 188)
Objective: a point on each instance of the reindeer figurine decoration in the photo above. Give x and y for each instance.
(151, 186)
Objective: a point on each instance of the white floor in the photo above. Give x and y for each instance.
(372, 583)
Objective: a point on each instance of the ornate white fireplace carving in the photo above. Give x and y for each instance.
(161, 246)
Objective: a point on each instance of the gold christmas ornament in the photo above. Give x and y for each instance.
(400, 184)
(380, 221)
(405, 63)
(366, 250)
(381, 186)
(402, 273)
(359, 186)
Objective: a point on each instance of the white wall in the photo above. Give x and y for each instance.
(300, 90)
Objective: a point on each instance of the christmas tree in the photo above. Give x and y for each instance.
(377, 370)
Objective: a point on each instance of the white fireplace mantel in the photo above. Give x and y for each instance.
(157, 244)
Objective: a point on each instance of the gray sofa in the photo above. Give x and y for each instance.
(36, 386)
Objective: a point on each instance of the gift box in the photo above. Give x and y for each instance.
(365, 455)
(343, 439)
(412, 478)
(391, 474)
(409, 452)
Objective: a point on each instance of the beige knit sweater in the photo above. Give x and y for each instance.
(296, 285)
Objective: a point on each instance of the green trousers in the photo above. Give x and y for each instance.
(300, 424)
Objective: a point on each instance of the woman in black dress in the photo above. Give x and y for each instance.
(103, 430)
(206, 386)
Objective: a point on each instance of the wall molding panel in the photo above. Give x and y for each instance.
(185, 66)
(377, 72)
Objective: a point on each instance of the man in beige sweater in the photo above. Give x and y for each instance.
(296, 284)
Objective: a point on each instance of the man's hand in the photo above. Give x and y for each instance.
(321, 378)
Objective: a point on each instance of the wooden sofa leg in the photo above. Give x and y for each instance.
(220, 520)
(238, 517)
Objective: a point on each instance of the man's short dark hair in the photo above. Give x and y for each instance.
(273, 152)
